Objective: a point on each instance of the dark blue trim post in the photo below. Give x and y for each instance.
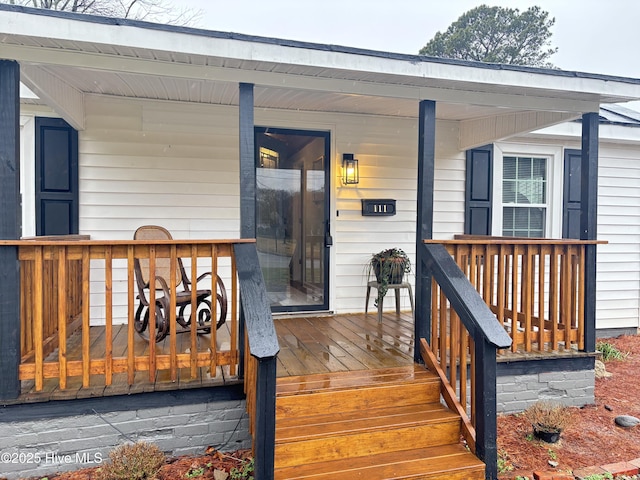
(247, 188)
(424, 221)
(10, 228)
(264, 446)
(247, 163)
(589, 221)
(486, 400)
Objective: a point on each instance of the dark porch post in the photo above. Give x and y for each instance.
(424, 222)
(10, 228)
(247, 164)
(247, 188)
(589, 221)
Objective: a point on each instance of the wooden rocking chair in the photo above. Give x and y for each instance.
(163, 291)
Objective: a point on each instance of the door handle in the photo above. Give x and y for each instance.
(328, 240)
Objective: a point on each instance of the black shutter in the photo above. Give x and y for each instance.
(571, 193)
(478, 191)
(56, 177)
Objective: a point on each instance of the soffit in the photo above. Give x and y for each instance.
(130, 85)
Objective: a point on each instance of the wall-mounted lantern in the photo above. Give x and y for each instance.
(350, 173)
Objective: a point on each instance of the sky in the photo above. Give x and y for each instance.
(598, 36)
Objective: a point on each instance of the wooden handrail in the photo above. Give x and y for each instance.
(465, 334)
(262, 346)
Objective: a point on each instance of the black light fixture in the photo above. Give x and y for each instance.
(350, 173)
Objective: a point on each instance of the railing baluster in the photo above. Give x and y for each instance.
(86, 317)
(501, 285)
(213, 363)
(152, 313)
(108, 298)
(194, 313)
(527, 295)
(554, 297)
(173, 348)
(38, 317)
(514, 299)
(444, 331)
(581, 295)
(234, 316)
(434, 317)
(62, 316)
(131, 367)
(464, 362)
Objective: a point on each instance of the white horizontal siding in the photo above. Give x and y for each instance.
(618, 272)
(177, 165)
(159, 163)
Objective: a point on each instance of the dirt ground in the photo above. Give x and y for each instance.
(592, 437)
(197, 467)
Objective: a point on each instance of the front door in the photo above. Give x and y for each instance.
(292, 217)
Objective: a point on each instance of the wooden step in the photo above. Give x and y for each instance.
(355, 392)
(382, 424)
(337, 380)
(364, 433)
(450, 462)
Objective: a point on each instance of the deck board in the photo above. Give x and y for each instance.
(309, 345)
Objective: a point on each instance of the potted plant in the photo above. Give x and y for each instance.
(389, 267)
(548, 420)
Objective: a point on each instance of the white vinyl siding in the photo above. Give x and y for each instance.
(174, 164)
(618, 271)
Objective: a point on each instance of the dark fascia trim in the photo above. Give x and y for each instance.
(553, 364)
(90, 406)
(312, 46)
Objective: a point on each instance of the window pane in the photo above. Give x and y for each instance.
(523, 221)
(524, 180)
(509, 168)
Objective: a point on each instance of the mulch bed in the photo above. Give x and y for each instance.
(592, 437)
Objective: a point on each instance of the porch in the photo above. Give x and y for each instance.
(79, 317)
(78, 324)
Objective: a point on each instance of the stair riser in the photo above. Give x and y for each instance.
(356, 400)
(468, 474)
(366, 443)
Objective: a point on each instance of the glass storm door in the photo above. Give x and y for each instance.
(291, 217)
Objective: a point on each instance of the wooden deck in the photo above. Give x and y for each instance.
(343, 343)
(318, 344)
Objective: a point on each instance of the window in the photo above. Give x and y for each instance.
(524, 196)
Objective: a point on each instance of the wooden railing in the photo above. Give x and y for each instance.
(50, 300)
(535, 287)
(464, 338)
(260, 353)
(97, 262)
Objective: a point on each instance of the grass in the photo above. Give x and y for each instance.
(610, 352)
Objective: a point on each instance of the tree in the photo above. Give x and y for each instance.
(497, 35)
(160, 11)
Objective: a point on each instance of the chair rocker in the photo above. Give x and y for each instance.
(183, 289)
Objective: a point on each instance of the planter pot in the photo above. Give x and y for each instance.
(396, 276)
(549, 437)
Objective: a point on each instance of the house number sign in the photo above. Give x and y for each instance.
(379, 207)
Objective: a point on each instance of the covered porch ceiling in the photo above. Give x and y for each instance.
(64, 57)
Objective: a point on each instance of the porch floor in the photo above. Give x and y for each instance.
(308, 345)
